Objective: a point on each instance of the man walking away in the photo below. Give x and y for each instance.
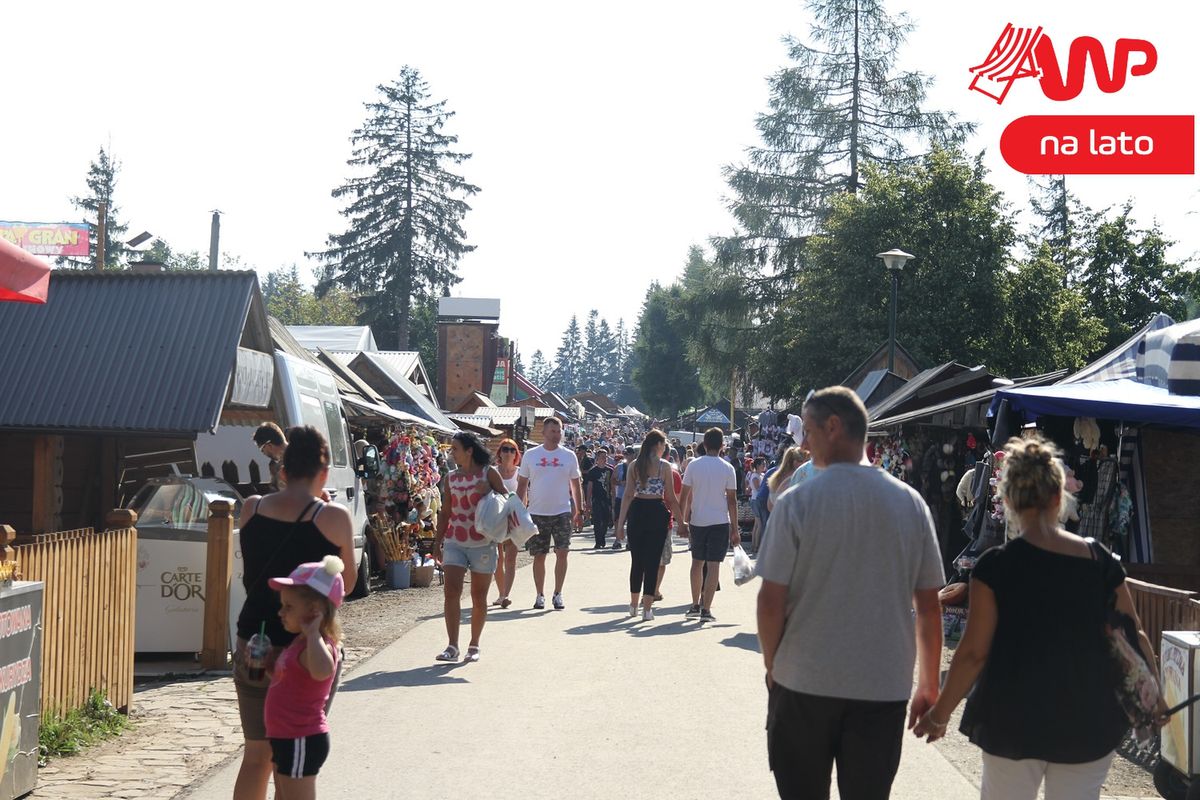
(847, 557)
(596, 483)
(710, 497)
(548, 483)
(619, 487)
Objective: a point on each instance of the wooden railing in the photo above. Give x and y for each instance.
(88, 611)
(1164, 609)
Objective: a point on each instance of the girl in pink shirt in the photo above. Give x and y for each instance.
(302, 676)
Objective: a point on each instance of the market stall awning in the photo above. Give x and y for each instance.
(394, 414)
(24, 278)
(1123, 399)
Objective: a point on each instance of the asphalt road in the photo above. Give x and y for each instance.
(581, 703)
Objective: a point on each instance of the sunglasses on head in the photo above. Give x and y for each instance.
(508, 449)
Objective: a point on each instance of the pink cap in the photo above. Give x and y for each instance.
(323, 577)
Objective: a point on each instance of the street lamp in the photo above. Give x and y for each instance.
(894, 260)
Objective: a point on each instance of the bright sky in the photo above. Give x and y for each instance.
(598, 131)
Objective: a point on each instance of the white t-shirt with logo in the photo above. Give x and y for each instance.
(710, 477)
(549, 473)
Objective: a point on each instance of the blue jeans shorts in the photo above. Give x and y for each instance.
(479, 558)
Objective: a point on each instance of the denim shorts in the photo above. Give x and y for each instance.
(480, 558)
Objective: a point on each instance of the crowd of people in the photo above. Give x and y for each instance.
(850, 573)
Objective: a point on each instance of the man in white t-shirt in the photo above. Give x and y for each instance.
(709, 500)
(548, 483)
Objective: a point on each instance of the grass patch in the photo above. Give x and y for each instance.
(68, 734)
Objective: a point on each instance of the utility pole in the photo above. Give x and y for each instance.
(101, 234)
(214, 239)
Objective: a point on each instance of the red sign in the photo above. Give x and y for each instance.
(1100, 145)
(48, 238)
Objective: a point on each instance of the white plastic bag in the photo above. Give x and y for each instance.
(524, 528)
(491, 517)
(743, 569)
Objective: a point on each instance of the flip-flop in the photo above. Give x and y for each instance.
(499, 601)
(472, 653)
(449, 654)
(505, 603)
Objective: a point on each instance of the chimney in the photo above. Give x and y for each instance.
(146, 267)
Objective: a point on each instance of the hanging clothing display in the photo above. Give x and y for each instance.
(1093, 516)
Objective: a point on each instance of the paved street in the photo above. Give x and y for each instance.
(581, 703)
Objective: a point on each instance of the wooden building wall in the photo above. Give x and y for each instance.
(1173, 495)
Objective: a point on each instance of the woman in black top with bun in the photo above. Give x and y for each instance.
(278, 533)
(1044, 706)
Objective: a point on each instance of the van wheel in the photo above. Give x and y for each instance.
(362, 587)
(1171, 784)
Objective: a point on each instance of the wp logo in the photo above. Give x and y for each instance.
(1029, 53)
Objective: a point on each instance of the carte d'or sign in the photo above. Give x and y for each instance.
(48, 238)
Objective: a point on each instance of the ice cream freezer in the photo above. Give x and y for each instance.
(172, 529)
(1179, 659)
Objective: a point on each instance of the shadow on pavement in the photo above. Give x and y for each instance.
(432, 675)
(745, 641)
(658, 629)
(608, 626)
(520, 613)
(614, 609)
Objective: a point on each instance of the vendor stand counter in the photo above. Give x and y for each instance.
(20, 685)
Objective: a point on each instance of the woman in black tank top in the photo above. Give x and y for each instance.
(278, 533)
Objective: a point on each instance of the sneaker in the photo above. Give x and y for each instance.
(692, 612)
(633, 609)
(707, 616)
(616, 545)
(558, 603)
(540, 602)
(647, 614)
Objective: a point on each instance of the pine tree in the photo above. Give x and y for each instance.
(539, 370)
(1064, 224)
(568, 361)
(404, 238)
(589, 365)
(621, 346)
(101, 184)
(608, 369)
(838, 105)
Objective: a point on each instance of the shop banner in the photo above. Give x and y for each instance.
(20, 686)
(49, 238)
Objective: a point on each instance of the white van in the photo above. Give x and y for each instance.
(310, 397)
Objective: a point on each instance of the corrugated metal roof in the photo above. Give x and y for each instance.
(421, 405)
(334, 337)
(124, 352)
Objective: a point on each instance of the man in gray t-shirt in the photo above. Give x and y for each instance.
(848, 555)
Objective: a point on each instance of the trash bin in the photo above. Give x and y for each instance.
(399, 574)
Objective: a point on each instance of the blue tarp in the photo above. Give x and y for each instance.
(1124, 400)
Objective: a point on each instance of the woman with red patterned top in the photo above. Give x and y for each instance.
(458, 546)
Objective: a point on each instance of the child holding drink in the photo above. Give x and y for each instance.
(302, 676)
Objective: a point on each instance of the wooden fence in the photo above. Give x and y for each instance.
(88, 613)
(1161, 608)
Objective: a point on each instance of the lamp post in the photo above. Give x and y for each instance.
(894, 260)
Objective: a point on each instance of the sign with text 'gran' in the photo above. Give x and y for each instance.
(48, 238)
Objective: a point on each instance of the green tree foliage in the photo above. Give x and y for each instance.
(943, 211)
(1048, 325)
(568, 361)
(1126, 277)
(839, 105)
(101, 186)
(539, 370)
(608, 367)
(664, 376)
(720, 319)
(589, 365)
(292, 303)
(405, 209)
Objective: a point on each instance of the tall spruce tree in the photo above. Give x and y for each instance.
(838, 105)
(589, 365)
(539, 370)
(664, 376)
(608, 368)
(568, 360)
(101, 185)
(405, 208)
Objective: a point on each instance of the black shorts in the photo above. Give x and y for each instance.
(300, 758)
(709, 542)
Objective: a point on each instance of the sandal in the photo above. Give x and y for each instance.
(505, 602)
(472, 653)
(499, 601)
(449, 654)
